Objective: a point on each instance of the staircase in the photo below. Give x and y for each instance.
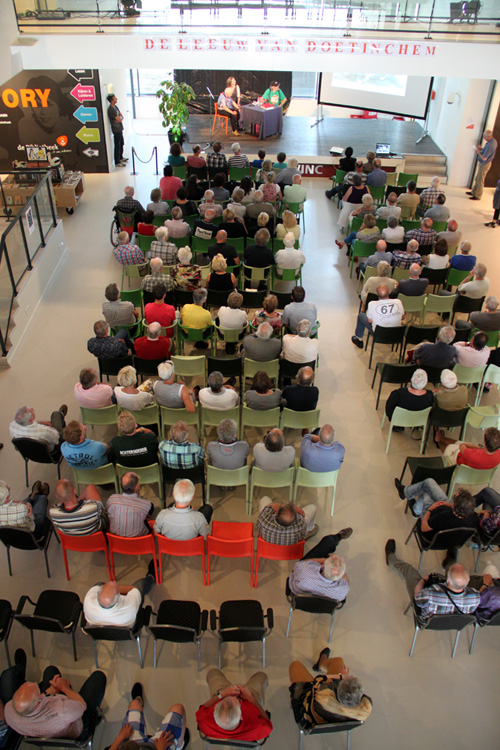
(426, 166)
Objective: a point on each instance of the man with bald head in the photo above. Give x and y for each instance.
(284, 523)
(152, 345)
(111, 604)
(78, 516)
(303, 396)
(129, 511)
(414, 286)
(384, 312)
(425, 236)
(320, 451)
(225, 249)
(294, 193)
(157, 276)
(405, 258)
(431, 598)
(204, 227)
(453, 236)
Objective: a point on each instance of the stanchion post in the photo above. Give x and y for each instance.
(156, 158)
(133, 161)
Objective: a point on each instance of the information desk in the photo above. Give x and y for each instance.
(268, 121)
(67, 193)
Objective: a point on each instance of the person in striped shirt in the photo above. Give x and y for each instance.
(78, 516)
(237, 159)
(29, 514)
(129, 511)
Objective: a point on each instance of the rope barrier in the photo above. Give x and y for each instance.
(154, 153)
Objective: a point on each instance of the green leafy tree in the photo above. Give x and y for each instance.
(174, 98)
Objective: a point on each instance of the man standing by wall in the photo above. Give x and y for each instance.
(485, 156)
(116, 120)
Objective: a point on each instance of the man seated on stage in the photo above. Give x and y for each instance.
(227, 107)
(274, 95)
(409, 201)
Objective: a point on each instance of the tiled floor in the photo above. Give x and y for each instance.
(429, 700)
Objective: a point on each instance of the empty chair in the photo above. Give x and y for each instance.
(313, 604)
(26, 540)
(316, 479)
(466, 475)
(137, 545)
(405, 418)
(35, 450)
(493, 621)
(229, 478)
(268, 551)
(393, 336)
(271, 480)
(118, 632)
(104, 416)
(54, 612)
(261, 419)
(85, 543)
(101, 475)
(180, 548)
(298, 420)
(400, 374)
(230, 539)
(179, 622)
(241, 621)
(113, 366)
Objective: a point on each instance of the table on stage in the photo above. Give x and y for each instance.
(269, 120)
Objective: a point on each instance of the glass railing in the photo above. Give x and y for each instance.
(30, 218)
(465, 17)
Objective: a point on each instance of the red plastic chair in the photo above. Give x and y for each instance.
(217, 116)
(188, 548)
(231, 539)
(131, 545)
(268, 551)
(89, 543)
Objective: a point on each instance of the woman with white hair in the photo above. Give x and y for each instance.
(415, 397)
(236, 205)
(127, 394)
(393, 233)
(449, 395)
(289, 225)
(289, 257)
(367, 207)
(186, 275)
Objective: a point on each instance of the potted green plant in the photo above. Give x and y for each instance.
(174, 98)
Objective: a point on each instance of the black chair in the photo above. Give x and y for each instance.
(428, 468)
(399, 374)
(217, 299)
(6, 617)
(416, 334)
(289, 370)
(436, 276)
(232, 743)
(118, 633)
(393, 336)
(340, 726)
(445, 539)
(196, 475)
(284, 298)
(462, 334)
(200, 172)
(370, 297)
(485, 542)
(148, 297)
(147, 367)
(35, 450)
(454, 621)
(493, 622)
(113, 366)
(434, 373)
(182, 297)
(445, 418)
(242, 621)
(55, 612)
(179, 622)
(253, 300)
(314, 604)
(26, 540)
(230, 367)
(466, 305)
(87, 741)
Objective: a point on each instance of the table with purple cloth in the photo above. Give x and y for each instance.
(269, 121)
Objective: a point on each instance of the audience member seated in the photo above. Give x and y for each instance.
(157, 277)
(193, 192)
(195, 159)
(371, 284)
(234, 229)
(171, 394)
(177, 452)
(128, 396)
(261, 155)
(298, 310)
(342, 697)
(52, 708)
(352, 199)
(409, 200)
(272, 454)
(320, 452)
(236, 204)
(104, 346)
(260, 346)
(126, 253)
(186, 275)
(412, 398)
(488, 320)
(390, 208)
(176, 226)
(288, 257)
(369, 165)
(111, 604)
(393, 234)
(485, 456)
(268, 314)
(438, 212)
(117, 313)
(78, 516)
(196, 316)
(294, 193)
(475, 285)
(366, 207)
(377, 177)
(159, 311)
(152, 345)
(285, 176)
(235, 712)
(474, 353)
(431, 596)
(440, 354)
(299, 347)
(379, 313)
(414, 286)
(218, 189)
(180, 521)
(91, 394)
(341, 190)
(368, 233)
(439, 258)
(79, 451)
(29, 514)
(489, 516)
(258, 206)
(462, 261)
(160, 248)
(231, 315)
(222, 247)
(262, 395)
(289, 224)
(128, 202)
(453, 237)
(266, 168)
(129, 511)
(425, 236)
(237, 159)
(381, 252)
(146, 227)
(209, 205)
(217, 395)
(219, 279)
(284, 523)
(258, 255)
(175, 157)
(185, 198)
(135, 446)
(428, 195)
(271, 190)
(205, 229)
(321, 572)
(157, 205)
(280, 162)
(169, 184)
(303, 396)
(450, 396)
(406, 258)
(227, 452)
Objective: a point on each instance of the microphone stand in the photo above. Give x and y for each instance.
(212, 98)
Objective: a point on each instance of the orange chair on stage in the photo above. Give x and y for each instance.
(231, 539)
(268, 551)
(221, 117)
(88, 543)
(189, 548)
(131, 545)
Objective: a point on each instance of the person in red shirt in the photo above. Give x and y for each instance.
(152, 345)
(169, 185)
(146, 226)
(158, 311)
(235, 711)
(196, 160)
(469, 454)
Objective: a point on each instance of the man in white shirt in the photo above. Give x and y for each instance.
(300, 347)
(180, 521)
(381, 312)
(295, 193)
(289, 256)
(111, 604)
(217, 395)
(390, 208)
(26, 426)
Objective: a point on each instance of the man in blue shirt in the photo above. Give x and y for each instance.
(464, 261)
(79, 451)
(321, 452)
(377, 178)
(485, 156)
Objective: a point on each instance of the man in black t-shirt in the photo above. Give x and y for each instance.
(303, 396)
(442, 516)
(136, 446)
(222, 247)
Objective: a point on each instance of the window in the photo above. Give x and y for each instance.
(304, 85)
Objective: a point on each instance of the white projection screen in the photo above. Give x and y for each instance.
(407, 96)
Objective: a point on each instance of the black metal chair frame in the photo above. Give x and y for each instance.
(175, 633)
(494, 621)
(484, 543)
(6, 620)
(228, 366)
(393, 336)
(42, 543)
(289, 370)
(113, 366)
(436, 277)
(147, 367)
(437, 543)
(118, 633)
(231, 743)
(85, 742)
(428, 468)
(467, 305)
(385, 369)
(49, 624)
(444, 418)
(453, 621)
(45, 456)
(242, 633)
(341, 726)
(416, 334)
(312, 604)
(252, 300)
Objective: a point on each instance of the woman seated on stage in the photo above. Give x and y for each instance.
(219, 280)
(228, 107)
(274, 95)
(175, 159)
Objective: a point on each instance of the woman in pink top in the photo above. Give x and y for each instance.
(89, 393)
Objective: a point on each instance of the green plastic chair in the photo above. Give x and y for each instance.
(405, 418)
(178, 242)
(405, 177)
(465, 475)
(227, 335)
(229, 478)
(455, 277)
(299, 420)
(237, 173)
(315, 480)
(253, 172)
(493, 337)
(436, 304)
(251, 366)
(147, 474)
(102, 475)
(199, 245)
(132, 295)
(279, 244)
(180, 171)
(409, 224)
(148, 415)
(440, 226)
(360, 250)
(103, 416)
(365, 275)
(298, 210)
(491, 375)
(238, 243)
(188, 367)
(355, 224)
(255, 276)
(213, 417)
(470, 375)
(287, 274)
(171, 416)
(339, 176)
(134, 272)
(482, 417)
(144, 242)
(195, 334)
(256, 418)
(160, 219)
(378, 194)
(271, 480)
(400, 273)
(413, 304)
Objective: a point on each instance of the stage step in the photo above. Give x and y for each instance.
(426, 166)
